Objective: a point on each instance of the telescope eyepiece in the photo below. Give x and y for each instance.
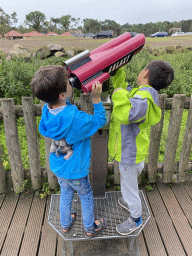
(74, 82)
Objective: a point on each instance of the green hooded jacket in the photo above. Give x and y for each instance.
(134, 111)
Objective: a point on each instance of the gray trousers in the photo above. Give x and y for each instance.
(129, 187)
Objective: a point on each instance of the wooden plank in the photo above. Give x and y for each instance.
(184, 200)
(13, 145)
(31, 237)
(186, 148)
(152, 236)
(155, 138)
(19, 110)
(171, 241)
(116, 173)
(7, 210)
(17, 227)
(2, 174)
(87, 107)
(179, 219)
(188, 188)
(169, 102)
(32, 142)
(60, 242)
(141, 245)
(48, 237)
(173, 136)
(2, 196)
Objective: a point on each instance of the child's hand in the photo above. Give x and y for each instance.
(96, 92)
(117, 89)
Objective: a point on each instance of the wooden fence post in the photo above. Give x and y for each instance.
(186, 148)
(32, 141)
(13, 146)
(173, 136)
(2, 175)
(86, 105)
(52, 179)
(155, 138)
(116, 173)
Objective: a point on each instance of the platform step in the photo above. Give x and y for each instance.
(108, 207)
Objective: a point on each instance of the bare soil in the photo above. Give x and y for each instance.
(88, 44)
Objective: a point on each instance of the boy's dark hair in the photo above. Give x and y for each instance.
(49, 82)
(161, 74)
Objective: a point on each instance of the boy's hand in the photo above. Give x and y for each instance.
(117, 89)
(96, 92)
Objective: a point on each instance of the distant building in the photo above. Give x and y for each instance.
(51, 34)
(13, 35)
(34, 34)
(66, 34)
(26, 35)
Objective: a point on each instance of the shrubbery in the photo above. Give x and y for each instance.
(16, 74)
(15, 77)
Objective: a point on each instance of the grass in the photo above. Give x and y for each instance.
(158, 39)
(166, 39)
(56, 38)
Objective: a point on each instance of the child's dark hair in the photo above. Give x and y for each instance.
(161, 74)
(49, 82)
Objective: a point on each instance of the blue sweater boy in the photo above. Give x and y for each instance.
(71, 129)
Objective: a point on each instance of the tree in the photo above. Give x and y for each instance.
(111, 25)
(4, 22)
(4, 18)
(65, 22)
(126, 28)
(13, 17)
(91, 26)
(74, 23)
(55, 21)
(35, 20)
(186, 25)
(4, 29)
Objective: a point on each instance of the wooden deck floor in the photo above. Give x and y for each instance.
(24, 229)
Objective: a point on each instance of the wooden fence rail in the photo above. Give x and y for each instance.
(28, 110)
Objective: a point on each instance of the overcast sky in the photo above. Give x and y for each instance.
(121, 11)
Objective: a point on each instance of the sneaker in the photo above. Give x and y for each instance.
(128, 226)
(122, 202)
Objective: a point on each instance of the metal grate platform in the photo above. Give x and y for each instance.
(108, 207)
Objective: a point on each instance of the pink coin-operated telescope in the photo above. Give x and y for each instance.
(87, 67)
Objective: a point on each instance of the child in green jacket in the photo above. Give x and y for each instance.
(134, 111)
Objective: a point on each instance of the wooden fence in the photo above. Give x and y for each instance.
(28, 110)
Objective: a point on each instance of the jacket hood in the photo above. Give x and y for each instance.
(55, 126)
(154, 111)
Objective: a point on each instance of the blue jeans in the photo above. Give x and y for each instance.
(83, 188)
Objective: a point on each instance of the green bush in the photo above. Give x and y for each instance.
(15, 77)
(16, 74)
